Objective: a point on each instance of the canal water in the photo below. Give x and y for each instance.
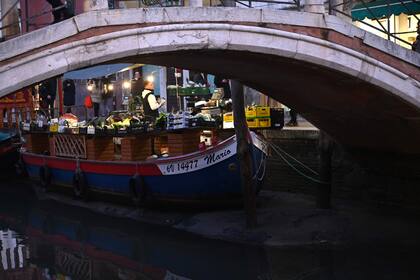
(47, 240)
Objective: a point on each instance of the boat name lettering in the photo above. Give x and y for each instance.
(216, 157)
(182, 166)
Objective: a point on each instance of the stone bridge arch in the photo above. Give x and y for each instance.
(362, 90)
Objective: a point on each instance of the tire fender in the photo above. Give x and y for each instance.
(138, 190)
(20, 168)
(45, 177)
(80, 187)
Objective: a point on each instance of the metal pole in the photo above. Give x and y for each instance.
(26, 16)
(178, 100)
(387, 21)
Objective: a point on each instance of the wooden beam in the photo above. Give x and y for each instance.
(325, 148)
(244, 154)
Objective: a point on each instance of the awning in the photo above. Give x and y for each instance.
(383, 8)
(96, 71)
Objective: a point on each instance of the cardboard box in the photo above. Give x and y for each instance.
(228, 117)
(228, 125)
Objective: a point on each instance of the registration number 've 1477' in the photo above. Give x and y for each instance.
(197, 163)
(182, 166)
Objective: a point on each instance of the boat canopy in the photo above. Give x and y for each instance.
(96, 71)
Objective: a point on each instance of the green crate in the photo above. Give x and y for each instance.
(191, 91)
(171, 91)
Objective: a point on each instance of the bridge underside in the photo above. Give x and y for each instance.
(357, 114)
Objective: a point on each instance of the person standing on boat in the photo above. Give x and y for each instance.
(96, 95)
(150, 107)
(150, 103)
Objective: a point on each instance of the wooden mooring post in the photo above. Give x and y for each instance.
(325, 147)
(244, 154)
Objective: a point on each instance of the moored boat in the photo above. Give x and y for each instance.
(9, 148)
(209, 175)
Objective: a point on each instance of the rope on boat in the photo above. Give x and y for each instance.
(296, 160)
(263, 161)
(277, 150)
(263, 164)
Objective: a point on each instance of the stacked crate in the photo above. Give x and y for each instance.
(37, 143)
(256, 117)
(277, 117)
(183, 143)
(100, 148)
(263, 116)
(136, 148)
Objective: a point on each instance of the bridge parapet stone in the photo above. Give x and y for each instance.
(159, 16)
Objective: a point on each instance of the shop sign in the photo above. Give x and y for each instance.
(19, 97)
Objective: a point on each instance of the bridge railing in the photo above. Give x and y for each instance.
(333, 9)
(22, 21)
(127, 4)
(341, 9)
(122, 4)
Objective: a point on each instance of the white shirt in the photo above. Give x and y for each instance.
(154, 105)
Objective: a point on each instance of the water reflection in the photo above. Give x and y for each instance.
(46, 240)
(13, 252)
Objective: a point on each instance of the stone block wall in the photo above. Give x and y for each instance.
(300, 145)
(375, 179)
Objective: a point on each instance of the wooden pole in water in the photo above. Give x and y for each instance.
(244, 153)
(325, 148)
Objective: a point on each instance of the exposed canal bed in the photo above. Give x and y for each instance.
(44, 238)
